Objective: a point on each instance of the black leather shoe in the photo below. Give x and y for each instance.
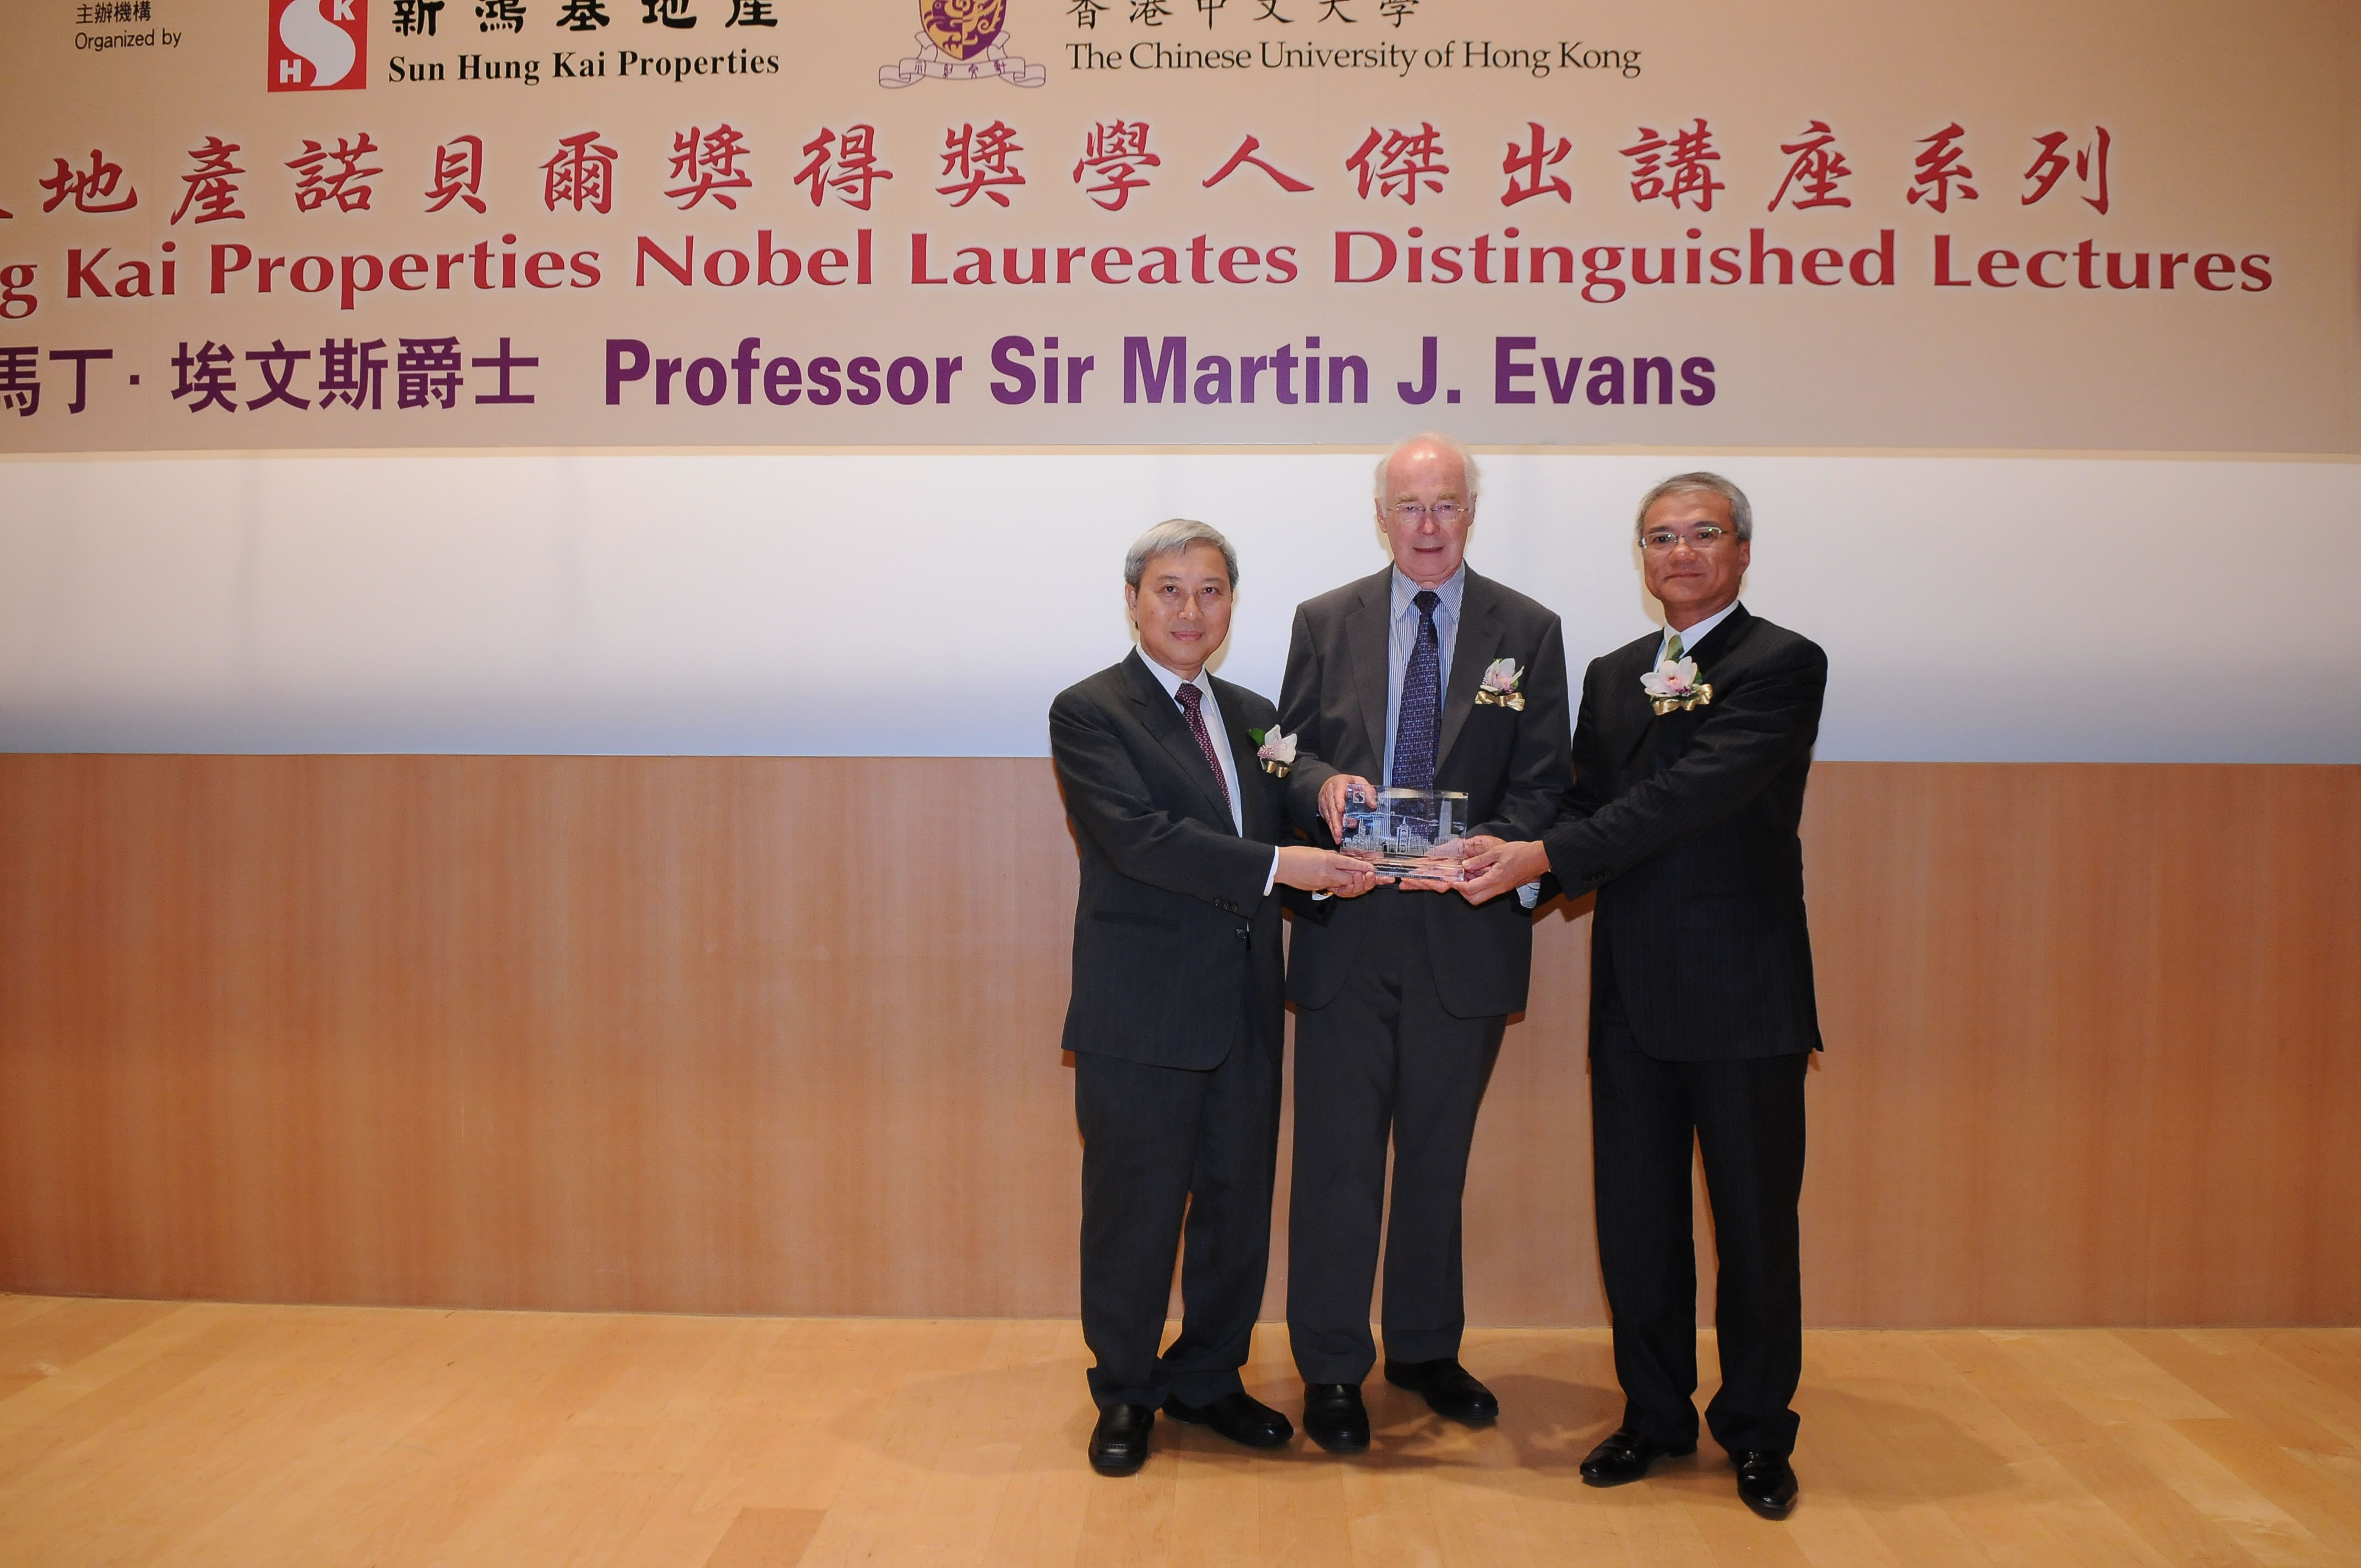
(1448, 1388)
(1238, 1416)
(1625, 1455)
(1765, 1481)
(1119, 1442)
(1335, 1417)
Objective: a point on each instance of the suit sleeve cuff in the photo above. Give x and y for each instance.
(1272, 880)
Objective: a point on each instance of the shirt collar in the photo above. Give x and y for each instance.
(1172, 683)
(1453, 589)
(1695, 634)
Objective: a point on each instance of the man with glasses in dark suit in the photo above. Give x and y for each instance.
(1690, 756)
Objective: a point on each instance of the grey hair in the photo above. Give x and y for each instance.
(1434, 437)
(1171, 537)
(1741, 510)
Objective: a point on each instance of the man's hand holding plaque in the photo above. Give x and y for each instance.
(1324, 871)
(1495, 866)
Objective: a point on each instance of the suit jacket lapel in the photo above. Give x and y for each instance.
(1365, 649)
(1473, 648)
(1254, 801)
(1162, 718)
(1642, 661)
(1717, 644)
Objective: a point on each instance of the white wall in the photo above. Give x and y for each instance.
(1973, 609)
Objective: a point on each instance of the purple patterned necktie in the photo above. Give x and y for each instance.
(1421, 723)
(1190, 696)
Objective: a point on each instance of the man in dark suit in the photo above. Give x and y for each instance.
(1176, 1012)
(1424, 675)
(1689, 760)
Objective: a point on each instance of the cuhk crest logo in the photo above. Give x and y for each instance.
(318, 46)
(964, 28)
(962, 41)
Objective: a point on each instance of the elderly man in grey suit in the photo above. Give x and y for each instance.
(1176, 1012)
(1427, 676)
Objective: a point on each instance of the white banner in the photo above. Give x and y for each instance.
(1973, 609)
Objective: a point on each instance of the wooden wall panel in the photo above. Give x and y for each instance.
(724, 1035)
(667, 1033)
(2091, 1045)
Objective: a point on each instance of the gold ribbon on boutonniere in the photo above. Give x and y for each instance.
(1673, 685)
(1501, 677)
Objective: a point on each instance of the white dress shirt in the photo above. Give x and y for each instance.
(1695, 634)
(1209, 709)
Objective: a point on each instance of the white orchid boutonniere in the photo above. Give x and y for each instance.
(1500, 688)
(1673, 685)
(1276, 747)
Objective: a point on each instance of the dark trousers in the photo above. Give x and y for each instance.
(1383, 1059)
(1746, 1118)
(1159, 1142)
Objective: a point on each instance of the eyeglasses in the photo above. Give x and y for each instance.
(1443, 512)
(1662, 540)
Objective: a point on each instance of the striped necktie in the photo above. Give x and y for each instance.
(1191, 697)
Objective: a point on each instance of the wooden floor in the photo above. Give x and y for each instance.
(136, 1432)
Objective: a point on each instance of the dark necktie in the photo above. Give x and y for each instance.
(1415, 731)
(1190, 696)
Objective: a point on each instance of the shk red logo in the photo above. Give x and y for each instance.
(318, 45)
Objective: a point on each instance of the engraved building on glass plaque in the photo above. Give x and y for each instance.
(1403, 832)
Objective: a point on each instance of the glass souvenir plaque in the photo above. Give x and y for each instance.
(1408, 832)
